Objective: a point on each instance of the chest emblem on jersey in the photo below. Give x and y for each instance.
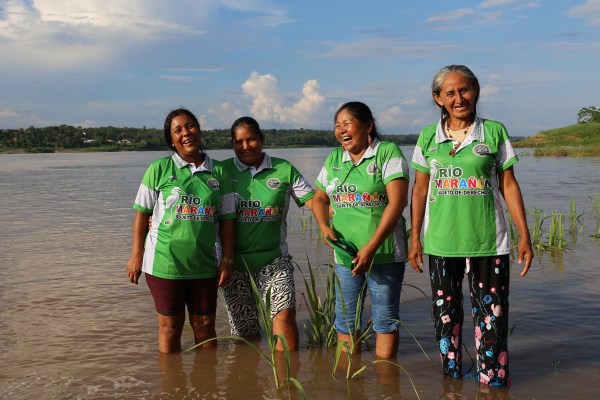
(273, 183)
(372, 168)
(213, 183)
(336, 168)
(481, 150)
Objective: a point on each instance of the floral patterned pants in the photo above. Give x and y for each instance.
(488, 286)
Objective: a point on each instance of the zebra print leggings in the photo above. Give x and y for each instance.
(240, 302)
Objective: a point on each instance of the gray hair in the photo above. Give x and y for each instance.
(438, 80)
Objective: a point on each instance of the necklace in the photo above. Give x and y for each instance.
(459, 135)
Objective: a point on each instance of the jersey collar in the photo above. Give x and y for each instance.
(181, 163)
(476, 135)
(265, 164)
(371, 151)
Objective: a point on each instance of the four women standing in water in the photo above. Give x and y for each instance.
(463, 166)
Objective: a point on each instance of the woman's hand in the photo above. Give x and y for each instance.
(363, 260)
(415, 254)
(139, 231)
(525, 254)
(134, 268)
(327, 232)
(224, 273)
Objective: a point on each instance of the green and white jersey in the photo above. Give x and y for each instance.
(463, 214)
(262, 197)
(186, 207)
(358, 196)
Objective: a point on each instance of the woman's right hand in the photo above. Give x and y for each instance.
(328, 233)
(134, 268)
(415, 255)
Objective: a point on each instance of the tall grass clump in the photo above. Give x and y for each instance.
(537, 231)
(555, 235)
(596, 206)
(321, 311)
(575, 219)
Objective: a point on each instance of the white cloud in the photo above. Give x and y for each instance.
(74, 34)
(391, 117)
(520, 4)
(489, 90)
(226, 113)
(176, 78)
(16, 116)
(411, 102)
(468, 15)
(590, 11)
(269, 104)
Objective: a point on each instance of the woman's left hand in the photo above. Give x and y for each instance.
(224, 273)
(525, 254)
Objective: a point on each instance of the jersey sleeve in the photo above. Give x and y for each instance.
(506, 152)
(393, 164)
(323, 178)
(301, 190)
(227, 203)
(419, 162)
(147, 194)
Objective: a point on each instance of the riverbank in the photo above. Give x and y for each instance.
(580, 140)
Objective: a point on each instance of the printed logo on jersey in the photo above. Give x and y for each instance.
(481, 150)
(372, 168)
(347, 195)
(336, 168)
(273, 183)
(187, 207)
(450, 181)
(251, 210)
(213, 183)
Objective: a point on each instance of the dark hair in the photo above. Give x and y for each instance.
(169, 119)
(250, 123)
(362, 113)
(438, 80)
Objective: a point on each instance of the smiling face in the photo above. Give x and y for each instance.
(247, 146)
(458, 97)
(351, 133)
(185, 137)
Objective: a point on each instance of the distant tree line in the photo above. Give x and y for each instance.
(52, 138)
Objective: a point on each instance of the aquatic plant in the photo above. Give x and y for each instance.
(536, 232)
(321, 311)
(596, 206)
(555, 235)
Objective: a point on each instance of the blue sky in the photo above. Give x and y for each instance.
(291, 64)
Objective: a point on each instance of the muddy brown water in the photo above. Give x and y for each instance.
(72, 327)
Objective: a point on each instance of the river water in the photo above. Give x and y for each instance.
(73, 327)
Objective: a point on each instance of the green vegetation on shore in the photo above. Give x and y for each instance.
(66, 138)
(579, 140)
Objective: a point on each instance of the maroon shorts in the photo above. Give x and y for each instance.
(172, 295)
